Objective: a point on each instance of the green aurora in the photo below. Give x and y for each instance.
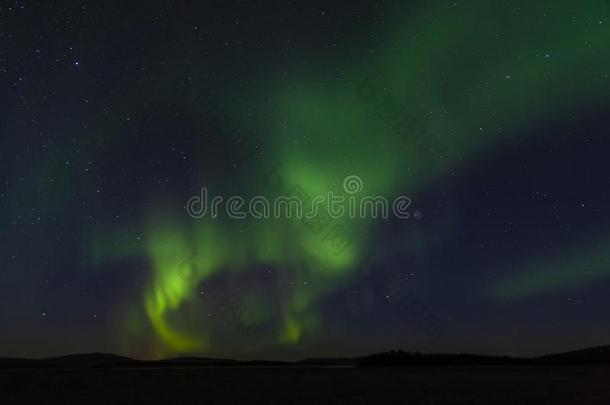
(319, 129)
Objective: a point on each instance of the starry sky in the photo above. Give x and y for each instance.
(492, 117)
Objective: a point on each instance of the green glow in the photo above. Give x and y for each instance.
(321, 132)
(567, 273)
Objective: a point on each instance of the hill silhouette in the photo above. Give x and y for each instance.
(85, 360)
(590, 356)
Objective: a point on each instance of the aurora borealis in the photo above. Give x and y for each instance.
(490, 116)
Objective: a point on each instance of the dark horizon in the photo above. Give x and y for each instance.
(599, 355)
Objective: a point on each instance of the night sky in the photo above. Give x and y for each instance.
(492, 117)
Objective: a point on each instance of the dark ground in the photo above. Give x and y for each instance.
(306, 385)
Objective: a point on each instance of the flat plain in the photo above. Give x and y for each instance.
(306, 385)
